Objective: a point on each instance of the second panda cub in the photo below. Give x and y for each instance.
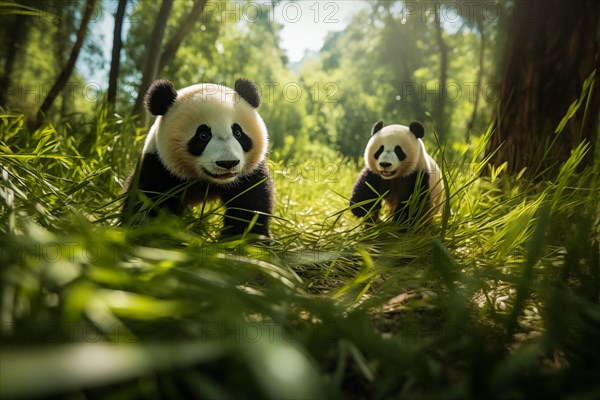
(397, 167)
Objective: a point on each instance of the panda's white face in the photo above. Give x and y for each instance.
(393, 151)
(210, 133)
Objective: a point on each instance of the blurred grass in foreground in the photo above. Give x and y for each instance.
(500, 301)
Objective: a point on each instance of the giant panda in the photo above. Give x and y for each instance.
(208, 142)
(398, 167)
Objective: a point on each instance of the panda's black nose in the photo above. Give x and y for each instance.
(385, 164)
(228, 164)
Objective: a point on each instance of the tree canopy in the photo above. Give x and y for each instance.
(399, 61)
(384, 65)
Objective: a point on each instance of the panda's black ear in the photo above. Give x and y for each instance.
(160, 97)
(377, 127)
(417, 129)
(248, 91)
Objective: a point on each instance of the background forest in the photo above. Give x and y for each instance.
(500, 299)
(385, 64)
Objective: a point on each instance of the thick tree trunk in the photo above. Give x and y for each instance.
(17, 37)
(551, 49)
(65, 74)
(152, 58)
(184, 29)
(113, 77)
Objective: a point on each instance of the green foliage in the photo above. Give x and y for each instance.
(362, 74)
(72, 166)
(45, 38)
(196, 56)
(373, 74)
(502, 302)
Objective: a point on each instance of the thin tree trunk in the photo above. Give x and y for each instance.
(184, 29)
(116, 54)
(152, 58)
(479, 79)
(70, 65)
(440, 104)
(62, 43)
(549, 54)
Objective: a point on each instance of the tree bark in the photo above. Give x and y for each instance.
(479, 79)
(69, 66)
(113, 77)
(551, 49)
(184, 29)
(61, 45)
(17, 37)
(152, 58)
(439, 108)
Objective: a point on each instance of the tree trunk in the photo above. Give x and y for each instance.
(111, 96)
(184, 29)
(479, 79)
(69, 66)
(18, 36)
(439, 117)
(61, 45)
(551, 49)
(152, 58)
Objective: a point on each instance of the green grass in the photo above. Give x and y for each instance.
(499, 300)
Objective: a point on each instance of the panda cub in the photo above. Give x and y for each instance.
(398, 167)
(208, 142)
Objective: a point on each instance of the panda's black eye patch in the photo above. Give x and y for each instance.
(237, 133)
(241, 137)
(198, 143)
(378, 152)
(399, 153)
(203, 132)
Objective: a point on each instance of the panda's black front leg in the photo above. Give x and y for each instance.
(250, 196)
(152, 180)
(409, 211)
(369, 198)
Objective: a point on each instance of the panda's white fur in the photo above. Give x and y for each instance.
(208, 142)
(399, 171)
(219, 107)
(417, 159)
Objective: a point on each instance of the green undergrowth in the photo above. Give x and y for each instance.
(498, 299)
